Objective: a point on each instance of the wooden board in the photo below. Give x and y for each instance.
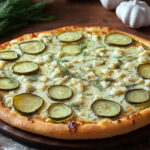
(129, 140)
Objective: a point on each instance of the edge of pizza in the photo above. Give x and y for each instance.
(76, 129)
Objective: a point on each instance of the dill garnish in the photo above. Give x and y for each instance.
(15, 14)
(98, 85)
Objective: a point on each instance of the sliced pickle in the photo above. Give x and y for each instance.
(137, 96)
(118, 39)
(32, 47)
(25, 67)
(59, 92)
(8, 55)
(106, 108)
(71, 49)
(69, 36)
(27, 103)
(144, 71)
(8, 84)
(59, 111)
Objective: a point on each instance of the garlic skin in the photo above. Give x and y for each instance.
(111, 4)
(134, 13)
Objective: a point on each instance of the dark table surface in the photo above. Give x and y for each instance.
(74, 12)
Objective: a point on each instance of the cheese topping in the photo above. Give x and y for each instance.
(98, 71)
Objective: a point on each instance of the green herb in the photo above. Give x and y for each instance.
(119, 63)
(77, 107)
(94, 44)
(32, 91)
(122, 101)
(98, 85)
(125, 58)
(33, 78)
(130, 86)
(130, 58)
(93, 59)
(64, 60)
(15, 14)
(12, 81)
(66, 71)
(117, 57)
(110, 80)
(59, 60)
(80, 77)
(84, 53)
(88, 94)
(83, 46)
(90, 66)
(7, 74)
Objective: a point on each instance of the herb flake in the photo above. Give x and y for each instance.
(130, 86)
(98, 85)
(77, 107)
(33, 78)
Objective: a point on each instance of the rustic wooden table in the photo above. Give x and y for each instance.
(74, 12)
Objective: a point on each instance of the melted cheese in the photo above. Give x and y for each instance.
(114, 68)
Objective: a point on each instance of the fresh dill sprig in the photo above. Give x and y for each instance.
(98, 85)
(15, 14)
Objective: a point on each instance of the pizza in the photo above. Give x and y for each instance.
(76, 83)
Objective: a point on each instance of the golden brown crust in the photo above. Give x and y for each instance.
(84, 131)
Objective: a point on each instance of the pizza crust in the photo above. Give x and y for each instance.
(84, 131)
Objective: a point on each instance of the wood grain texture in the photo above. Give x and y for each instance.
(83, 13)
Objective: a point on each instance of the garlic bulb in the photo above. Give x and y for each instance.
(110, 4)
(134, 13)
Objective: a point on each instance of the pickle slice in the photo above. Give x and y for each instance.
(32, 47)
(59, 111)
(144, 71)
(106, 108)
(8, 84)
(59, 92)
(71, 49)
(137, 96)
(69, 36)
(118, 39)
(27, 103)
(8, 55)
(25, 67)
